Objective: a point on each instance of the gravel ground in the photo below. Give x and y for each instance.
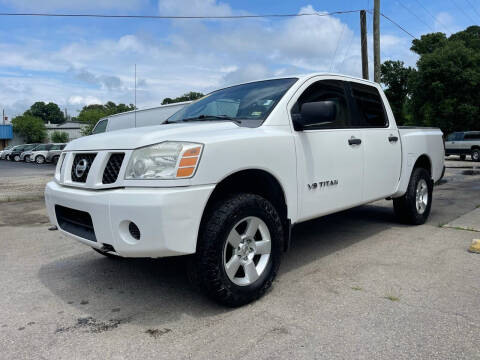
(354, 285)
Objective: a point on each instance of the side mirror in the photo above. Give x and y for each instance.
(316, 113)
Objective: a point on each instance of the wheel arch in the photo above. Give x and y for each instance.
(423, 161)
(255, 181)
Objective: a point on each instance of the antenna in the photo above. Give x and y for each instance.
(135, 109)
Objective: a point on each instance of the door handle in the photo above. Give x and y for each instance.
(393, 138)
(354, 141)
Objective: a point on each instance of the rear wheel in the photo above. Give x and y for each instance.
(414, 207)
(463, 157)
(476, 154)
(239, 250)
(16, 158)
(40, 159)
(55, 159)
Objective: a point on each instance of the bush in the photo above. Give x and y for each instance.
(59, 137)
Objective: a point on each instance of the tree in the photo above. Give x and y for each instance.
(31, 128)
(395, 76)
(192, 95)
(90, 114)
(47, 112)
(59, 137)
(445, 89)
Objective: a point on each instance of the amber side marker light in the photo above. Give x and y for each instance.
(188, 162)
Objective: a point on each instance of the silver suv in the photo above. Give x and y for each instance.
(38, 154)
(463, 143)
(54, 153)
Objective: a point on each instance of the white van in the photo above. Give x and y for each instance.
(145, 117)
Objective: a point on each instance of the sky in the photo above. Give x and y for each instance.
(80, 61)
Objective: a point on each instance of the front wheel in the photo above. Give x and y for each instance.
(239, 250)
(414, 207)
(476, 154)
(55, 159)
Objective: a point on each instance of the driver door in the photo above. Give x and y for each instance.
(329, 164)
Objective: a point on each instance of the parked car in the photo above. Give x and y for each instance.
(463, 143)
(38, 154)
(4, 151)
(17, 151)
(54, 153)
(226, 178)
(139, 118)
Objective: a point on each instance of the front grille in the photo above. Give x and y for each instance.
(110, 174)
(79, 174)
(75, 222)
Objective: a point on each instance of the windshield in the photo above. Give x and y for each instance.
(29, 147)
(248, 104)
(100, 127)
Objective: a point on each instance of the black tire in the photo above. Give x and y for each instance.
(406, 206)
(463, 157)
(206, 267)
(55, 159)
(107, 254)
(40, 159)
(476, 155)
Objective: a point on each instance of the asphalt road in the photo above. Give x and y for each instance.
(354, 285)
(13, 169)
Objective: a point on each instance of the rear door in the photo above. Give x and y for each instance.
(329, 163)
(382, 147)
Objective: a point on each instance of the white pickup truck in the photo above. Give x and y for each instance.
(226, 177)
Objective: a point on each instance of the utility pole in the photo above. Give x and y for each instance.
(363, 39)
(135, 109)
(376, 41)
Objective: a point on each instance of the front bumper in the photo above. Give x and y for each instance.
(168, 218)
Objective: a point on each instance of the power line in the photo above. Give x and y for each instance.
(397, 25)
(411, 12)
(463, 11)
(159, 17)
(473, 7)
(433, 17)
(336, 48)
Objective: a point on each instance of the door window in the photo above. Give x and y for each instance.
(369, 106)
(323, 90)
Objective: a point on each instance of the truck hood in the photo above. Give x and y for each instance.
(133, 138)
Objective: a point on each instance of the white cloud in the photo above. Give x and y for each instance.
(195, 56)
(48, 5)
(83, 100)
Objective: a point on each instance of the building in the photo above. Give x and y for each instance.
(6, 134)
(73, 129)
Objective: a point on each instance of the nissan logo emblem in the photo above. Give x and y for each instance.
(81, 168)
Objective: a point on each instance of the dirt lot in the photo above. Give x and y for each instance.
(354, 285)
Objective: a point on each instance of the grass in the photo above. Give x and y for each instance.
(357, 288)
(392, 298)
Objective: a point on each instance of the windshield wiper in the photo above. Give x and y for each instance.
(203, 117)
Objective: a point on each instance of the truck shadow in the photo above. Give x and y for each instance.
(152, 292)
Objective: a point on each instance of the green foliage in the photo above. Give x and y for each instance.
(31, 128)
(90, 114)
(47, 112)
(395, 76)
(192, 95)
(59, 137)
(444, 90)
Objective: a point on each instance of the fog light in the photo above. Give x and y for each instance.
(134, 230)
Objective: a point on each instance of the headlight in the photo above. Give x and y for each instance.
(167, 160)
